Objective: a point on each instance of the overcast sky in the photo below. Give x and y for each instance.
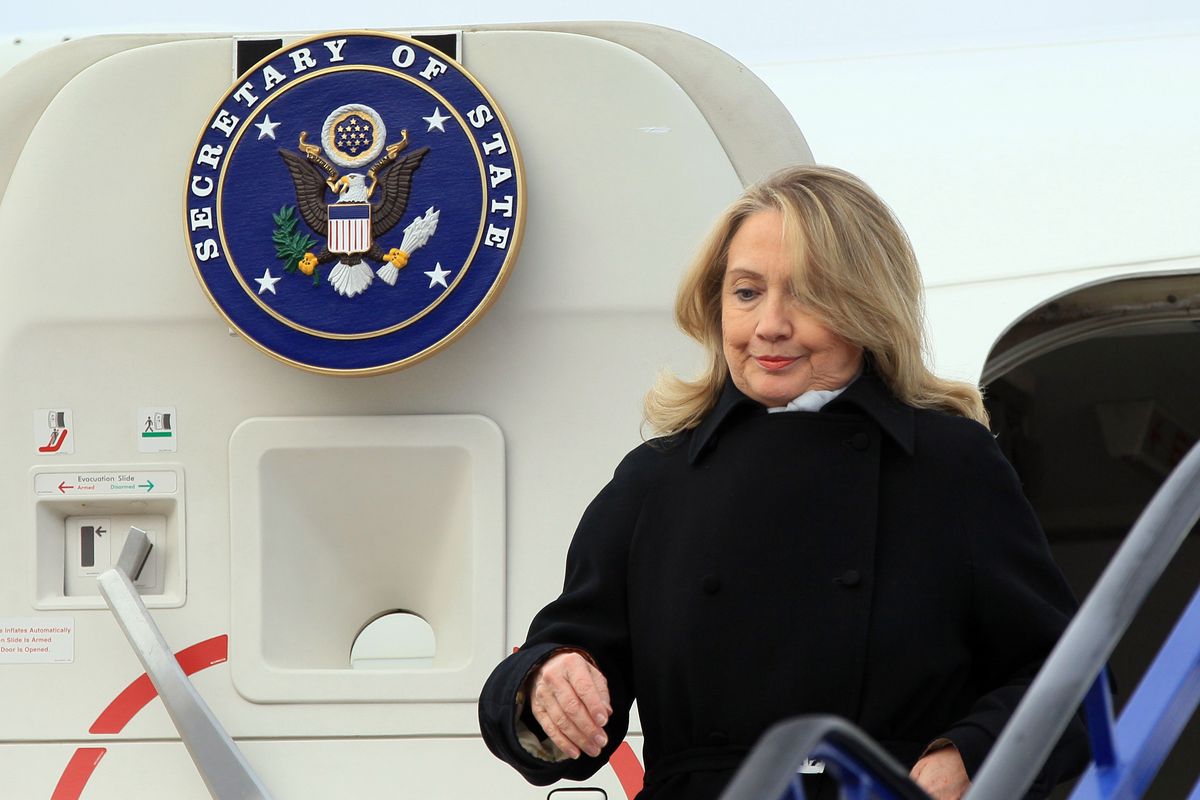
(755, 31)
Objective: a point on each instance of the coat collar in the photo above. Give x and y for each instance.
(868, 394)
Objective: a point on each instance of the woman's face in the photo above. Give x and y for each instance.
(776, 349)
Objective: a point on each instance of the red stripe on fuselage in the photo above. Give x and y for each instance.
(629, 770)
(75, 776)
(137, 694)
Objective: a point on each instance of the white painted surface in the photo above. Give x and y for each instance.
(336, 520)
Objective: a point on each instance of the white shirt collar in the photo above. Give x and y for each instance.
(812, 400)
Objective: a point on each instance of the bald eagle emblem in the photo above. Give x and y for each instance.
(355, 202)
(364, 207)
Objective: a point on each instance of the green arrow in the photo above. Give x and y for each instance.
(148, 485)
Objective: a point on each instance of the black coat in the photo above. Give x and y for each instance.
(871, 560)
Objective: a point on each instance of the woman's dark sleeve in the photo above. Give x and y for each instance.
(589, 615)
(1020, 606)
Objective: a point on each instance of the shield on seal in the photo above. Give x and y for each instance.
(349, 228)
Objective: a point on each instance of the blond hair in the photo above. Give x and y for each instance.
(853, 266)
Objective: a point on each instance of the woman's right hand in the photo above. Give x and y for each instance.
(569, 699)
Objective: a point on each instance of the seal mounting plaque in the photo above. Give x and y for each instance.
(354, 203)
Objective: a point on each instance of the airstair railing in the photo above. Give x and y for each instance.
(1126, 755)
(1076, 663)
(863, 769)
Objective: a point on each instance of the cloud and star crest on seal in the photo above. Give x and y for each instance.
(354, 203)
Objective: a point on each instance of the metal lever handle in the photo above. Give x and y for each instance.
(221, 764)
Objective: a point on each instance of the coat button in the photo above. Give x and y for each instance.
(718, 738)
(860, 441)
(711, 584)
(848, 579)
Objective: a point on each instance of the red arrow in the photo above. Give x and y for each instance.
(62, 487)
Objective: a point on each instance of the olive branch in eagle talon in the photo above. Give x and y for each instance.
(392, 175)
(291, 245)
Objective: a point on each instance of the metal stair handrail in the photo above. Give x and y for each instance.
(1083, 651)
(862, 768)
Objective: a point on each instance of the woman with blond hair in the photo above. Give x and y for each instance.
(822, 525)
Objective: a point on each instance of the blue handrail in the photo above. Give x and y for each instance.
(1127, 755)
